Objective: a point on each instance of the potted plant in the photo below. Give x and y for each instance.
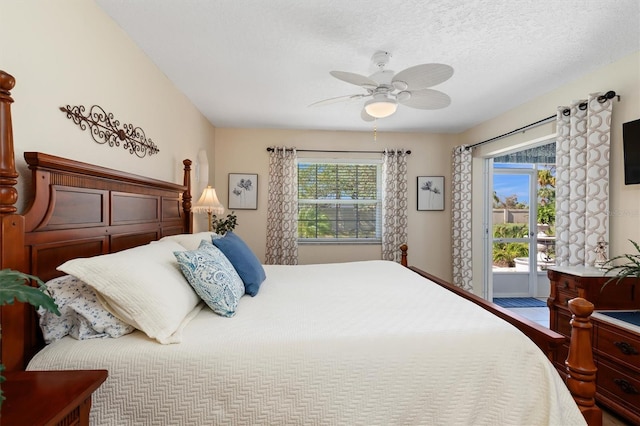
(629, 269)
(15, 285)
(222, 225)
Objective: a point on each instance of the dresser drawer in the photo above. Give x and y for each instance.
(623, 388)
(564, 322)
(568, 284)
(564, 296)
(617, 344)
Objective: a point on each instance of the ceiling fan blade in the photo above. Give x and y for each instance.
(425, 99)
(422, 76)
(353, 78)
(365, 116)
(337, 99)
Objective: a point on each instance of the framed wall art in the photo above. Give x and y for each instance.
(430, 192)
(243, 191)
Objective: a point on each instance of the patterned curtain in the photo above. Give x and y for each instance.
(282, 210)
(461, 218)
(582, 180)
(394, 203)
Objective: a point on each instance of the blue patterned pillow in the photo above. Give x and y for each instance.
(213, 277)
(242, 258)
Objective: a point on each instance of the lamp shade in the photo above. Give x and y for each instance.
(209, 202)
(380, 107)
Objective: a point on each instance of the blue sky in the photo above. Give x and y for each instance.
(507, 185)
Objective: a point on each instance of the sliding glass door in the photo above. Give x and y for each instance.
(514, 218)
(520, 222)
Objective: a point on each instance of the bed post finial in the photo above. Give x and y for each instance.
(186, 197)
(8, 173)
(581, 370)
(403, 256)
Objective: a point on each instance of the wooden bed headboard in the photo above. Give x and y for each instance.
(78, 210)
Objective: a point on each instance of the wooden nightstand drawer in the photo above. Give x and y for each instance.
(622, 387)
(619, 345)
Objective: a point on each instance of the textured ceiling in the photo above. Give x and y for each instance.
(258, 63)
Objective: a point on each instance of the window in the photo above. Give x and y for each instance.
(339, 201)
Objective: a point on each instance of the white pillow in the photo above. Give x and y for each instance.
(143, 286)
(189, 241)
(82, 316)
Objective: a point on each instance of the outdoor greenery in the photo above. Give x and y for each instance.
(504, 254)
(546, 197)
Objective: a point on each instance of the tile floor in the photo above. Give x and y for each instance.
(541, 316)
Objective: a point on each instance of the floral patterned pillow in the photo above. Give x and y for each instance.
(82, 316)
(213, 277)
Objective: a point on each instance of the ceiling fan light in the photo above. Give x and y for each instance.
(381, 108)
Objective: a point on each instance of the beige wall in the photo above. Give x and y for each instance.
(71, 53)
(623, 77)
(244, 151)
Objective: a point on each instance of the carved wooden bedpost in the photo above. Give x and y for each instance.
(186, 197)
(581, 370)
(11, 224)
(8, 173)
(11, 229)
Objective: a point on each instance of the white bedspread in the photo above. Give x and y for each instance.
(364, 343)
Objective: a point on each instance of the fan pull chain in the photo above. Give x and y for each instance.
(375, 130)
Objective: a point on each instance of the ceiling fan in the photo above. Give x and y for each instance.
(388, 89)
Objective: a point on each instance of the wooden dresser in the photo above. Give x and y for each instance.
(616, 344)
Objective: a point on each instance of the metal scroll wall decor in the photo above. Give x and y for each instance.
(105, 129)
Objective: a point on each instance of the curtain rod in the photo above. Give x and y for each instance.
(602, 98)
(408, 152)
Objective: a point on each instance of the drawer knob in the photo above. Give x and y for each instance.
(565, 284)
(626, 348)
(626, 386)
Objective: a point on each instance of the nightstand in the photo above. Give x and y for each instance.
(49, 397)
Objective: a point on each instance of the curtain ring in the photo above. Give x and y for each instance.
(609, 95)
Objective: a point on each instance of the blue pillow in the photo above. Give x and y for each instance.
(242, 258)
(213, 277)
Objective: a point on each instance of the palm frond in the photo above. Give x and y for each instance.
(629, 269)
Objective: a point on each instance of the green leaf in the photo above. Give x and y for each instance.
(629, 269)
(14, 286)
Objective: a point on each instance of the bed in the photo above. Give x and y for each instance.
(352, 343)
